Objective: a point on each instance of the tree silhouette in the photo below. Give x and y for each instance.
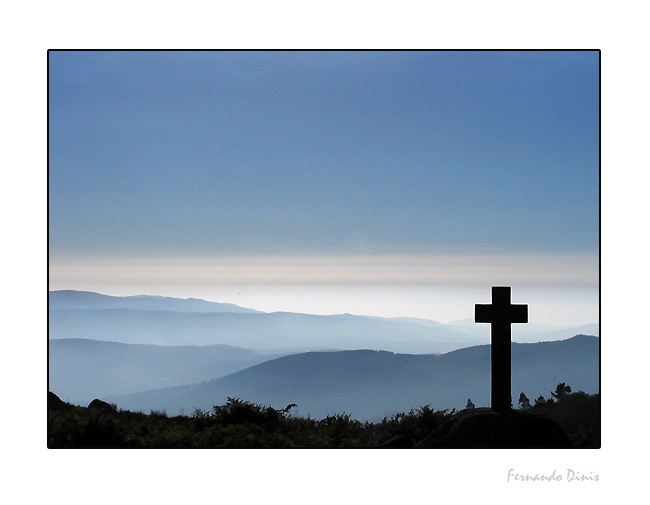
(524, 402)
(561, 391)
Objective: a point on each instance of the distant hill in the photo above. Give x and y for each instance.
(530, 332)
(373, 384)
(277, 330)
(81, 370)
(156, 320)
(87, 300)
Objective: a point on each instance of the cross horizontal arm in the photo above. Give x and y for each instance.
(483, 313)
(518, 314)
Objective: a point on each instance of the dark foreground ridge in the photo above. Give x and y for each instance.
(485, 428)
(572, 421)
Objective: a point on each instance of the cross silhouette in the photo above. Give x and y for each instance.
(501, 314)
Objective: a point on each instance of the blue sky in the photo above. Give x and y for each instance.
(192, 158)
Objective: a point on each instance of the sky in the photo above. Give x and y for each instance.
(381, 183)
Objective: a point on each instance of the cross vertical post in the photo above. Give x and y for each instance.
(500, 314)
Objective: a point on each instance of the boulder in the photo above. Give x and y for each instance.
(101, 406)
(484, 428)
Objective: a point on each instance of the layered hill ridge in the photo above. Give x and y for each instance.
(171, 321)
(128, 349)
(278, 330)
(82, 369)
(373, 384)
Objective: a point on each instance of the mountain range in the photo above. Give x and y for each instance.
(153, 352)
(88, 300)
(369, 385)
(156, 320)
(81, 369)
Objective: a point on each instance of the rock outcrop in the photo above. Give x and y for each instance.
(55, 403)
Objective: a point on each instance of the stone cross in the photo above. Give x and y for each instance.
(501, 314)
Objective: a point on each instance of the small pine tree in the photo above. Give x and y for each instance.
(540, 400)
(524, 402)
(469, 405)
(561, 391)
